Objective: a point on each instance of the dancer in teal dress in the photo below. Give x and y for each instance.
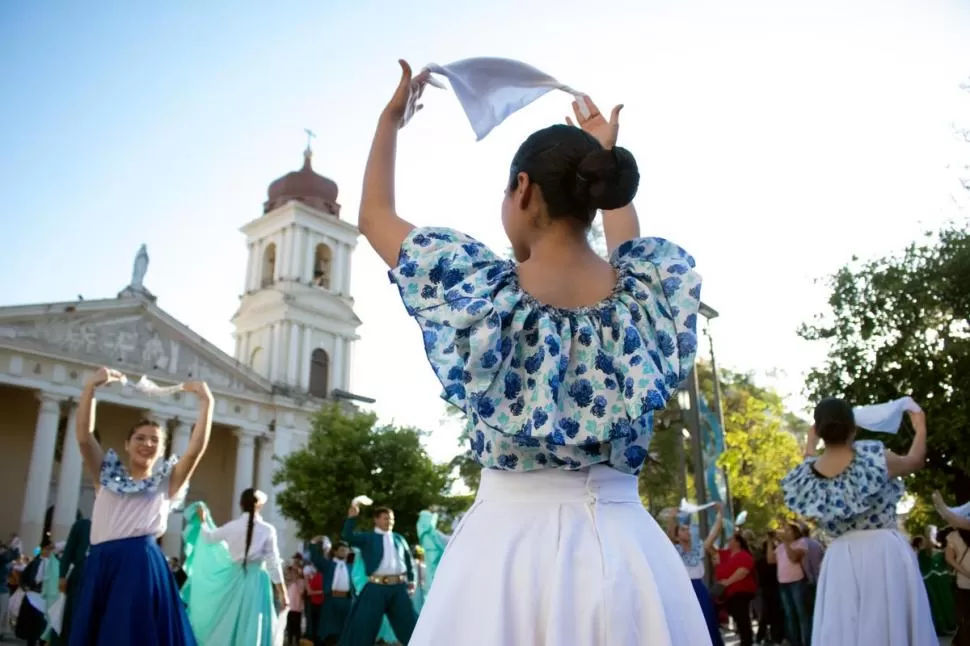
(433, 542)
(232, 572)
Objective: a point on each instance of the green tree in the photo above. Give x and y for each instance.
(347, 455)
(760, 448)
(900, 325)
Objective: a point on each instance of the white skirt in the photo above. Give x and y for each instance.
(560, 558)
(871, 591)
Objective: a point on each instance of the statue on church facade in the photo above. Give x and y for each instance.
(140, 268)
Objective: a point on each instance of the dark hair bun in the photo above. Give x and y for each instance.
(834, 420)
(607, 179)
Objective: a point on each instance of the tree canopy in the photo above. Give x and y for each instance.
(348, 455)
(900, 325)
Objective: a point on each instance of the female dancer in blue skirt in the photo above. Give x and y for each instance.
(692, 553)
(128, 596)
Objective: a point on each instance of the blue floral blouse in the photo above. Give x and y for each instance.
(546, 387)
(695, 555)
(863, 496)
(115, 477)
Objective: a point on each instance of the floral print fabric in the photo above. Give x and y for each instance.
(115, 477)
(546, 387)
(863, 496)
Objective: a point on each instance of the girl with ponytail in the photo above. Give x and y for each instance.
(233, 571)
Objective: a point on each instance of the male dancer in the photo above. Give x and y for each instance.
(390, 578)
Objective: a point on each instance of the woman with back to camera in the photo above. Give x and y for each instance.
(128, 595)
(233, 572)
(870, 590)
(558, 361)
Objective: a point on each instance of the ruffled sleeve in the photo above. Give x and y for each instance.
(854, 499)
(660, 277)
(448, 282)
(115, 477)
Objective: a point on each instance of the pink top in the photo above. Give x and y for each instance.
(294, 590)
(789, 572)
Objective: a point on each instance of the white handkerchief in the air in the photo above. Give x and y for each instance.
(884, 418)
(743, 516)
(362, 500)
(691, 508)
(148, 387)
(492, 89)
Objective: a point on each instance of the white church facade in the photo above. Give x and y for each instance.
(294, 333)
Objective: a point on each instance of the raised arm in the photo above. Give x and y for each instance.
(378, 220)
(91, 452)
(357, 539)
(715, 530)
(671, 523)
(953, 520)
(811, 442)
(902, 465)
(619, 225)
(197, 442)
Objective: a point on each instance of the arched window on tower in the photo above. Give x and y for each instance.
(320, 373)
(321, 266)
(267, 277)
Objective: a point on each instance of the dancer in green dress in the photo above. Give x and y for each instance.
(939, 582)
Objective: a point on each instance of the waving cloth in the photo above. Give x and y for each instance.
(492, 89)
(884, 418)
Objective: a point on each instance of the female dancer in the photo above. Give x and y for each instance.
(870, 590)
(692, 553)
(128, 596)
(433, 543)
(233, 571)
(558, 361)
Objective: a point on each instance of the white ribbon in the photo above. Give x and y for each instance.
(148, 387)
(884, 418)
(490, 90)
(691, 508)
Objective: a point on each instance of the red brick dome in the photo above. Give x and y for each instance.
(305, 186)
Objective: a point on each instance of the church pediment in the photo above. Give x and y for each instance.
(131, 335)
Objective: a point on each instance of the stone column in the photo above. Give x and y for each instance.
(276, 356)
(309, 259)
(264, 477)
(293, 347)
(348, 361)
(286, 234)
(68, 480)
(251, 264)
(245, 454)
(340, 268)
(286, 533)
(336, 375)
(304, 361)
(295, 252)
(172, 540)
(39, 472)
(278, 261)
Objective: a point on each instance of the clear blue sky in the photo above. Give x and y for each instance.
(776, 140)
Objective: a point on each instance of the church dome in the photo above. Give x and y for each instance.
(305, 186)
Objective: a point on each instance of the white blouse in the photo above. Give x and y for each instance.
(263, 547)
(117, 516)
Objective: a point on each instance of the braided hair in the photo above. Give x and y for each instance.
(248, 503)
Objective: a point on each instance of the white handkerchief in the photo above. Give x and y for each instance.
(691, 508)
(362, 500)
(492, 89)
(884, 418)
(743, 516)
(148, 387)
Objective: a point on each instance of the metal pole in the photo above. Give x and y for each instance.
(697, 447)
(681, 463)
(720, 413)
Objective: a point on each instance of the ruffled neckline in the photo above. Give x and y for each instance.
(116, 478)
(861, 486)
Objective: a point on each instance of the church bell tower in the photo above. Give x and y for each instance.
(296, 323)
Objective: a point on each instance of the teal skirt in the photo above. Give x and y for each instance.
(228, 605)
